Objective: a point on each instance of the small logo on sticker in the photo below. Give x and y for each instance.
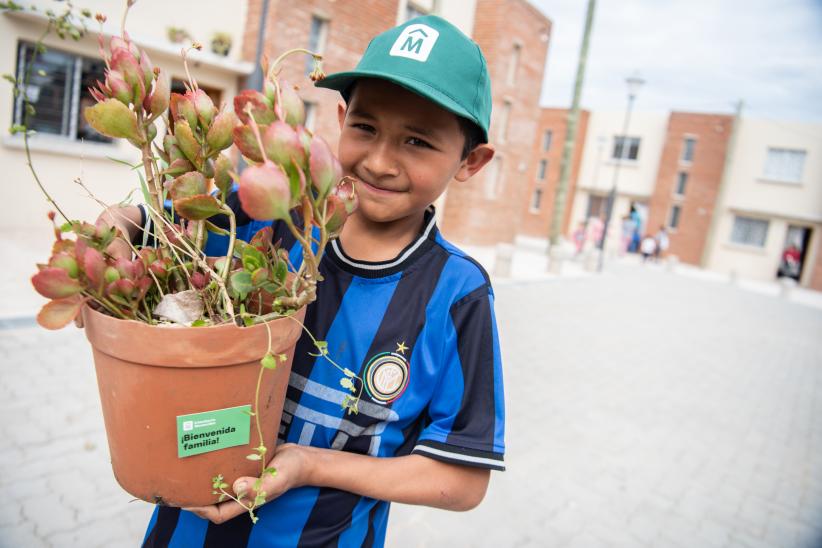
(188, 425)
(386, 377)
(415, 42)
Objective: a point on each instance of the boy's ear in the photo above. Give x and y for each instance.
(341, 108)
(475, 161)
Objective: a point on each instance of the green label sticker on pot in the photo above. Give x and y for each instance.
(212, 430)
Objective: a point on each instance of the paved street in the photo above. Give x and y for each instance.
(644, 408)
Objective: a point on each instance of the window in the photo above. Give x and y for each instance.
(547, 137)
(784, 164)
(681, 183)
(412, 11)
(673, 218)
(513, 64)
(626, 148)
(596, 206)
(748, 231)
(493, 178)
(541, 169)
(310, 115)
(688, 146)
(316, 40)
(536, 200)
(58, 91)
(505, 114)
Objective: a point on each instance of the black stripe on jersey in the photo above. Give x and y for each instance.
(368, 541)
(160, 535)
(234, 533)
(473, 323)
(403, 321)
(320, 529)
(318, 320)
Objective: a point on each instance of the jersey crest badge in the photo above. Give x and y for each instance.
(386, 376)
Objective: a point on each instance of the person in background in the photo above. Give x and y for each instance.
(662, 242)
(647, 247)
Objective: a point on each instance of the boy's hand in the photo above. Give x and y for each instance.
(292, 463)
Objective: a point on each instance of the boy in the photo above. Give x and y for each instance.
(402, 307)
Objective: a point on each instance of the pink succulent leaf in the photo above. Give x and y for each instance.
(67, 262)
(197, 208)
(220, 133)
(336, 214)
(293, 106)
(183, 109)
(147, 69)
(281, 144)
(222, 173)
(325, 169)
(94, 266)
(260, 106)
(187, 142)
(178, 167)
(158, 101)
(118, 88)
(125, 268)
(55, 283)
(59, 313)
(204, 107)
(188, 184)
(264, 192)
(123, 288)
(247, 143)
(114, 119)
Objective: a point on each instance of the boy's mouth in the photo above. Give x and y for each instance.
(377, 189)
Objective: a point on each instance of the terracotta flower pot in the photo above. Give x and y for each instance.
(150, 375)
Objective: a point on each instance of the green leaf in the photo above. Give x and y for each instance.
(9, 78)
(211, 227)
(346, 383)
(281, 271)
(258, 483)
(253, 456)
(41, 72)
(222, 497)
(17, 128)
(322, 346)
(114, 119)
(252, 258)
(261, 449)
(240, 283)
(223, 485)
(30, 110)
(348, 373)
(269, 362)
(199, 323)
(271, 471)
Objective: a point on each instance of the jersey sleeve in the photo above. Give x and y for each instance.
(467, 411)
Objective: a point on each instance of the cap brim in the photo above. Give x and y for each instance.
(341, 81)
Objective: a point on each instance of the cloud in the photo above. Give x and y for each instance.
(698, 55)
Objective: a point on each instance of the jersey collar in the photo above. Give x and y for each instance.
(367, 269)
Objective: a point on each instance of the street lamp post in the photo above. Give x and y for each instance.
(634, 83)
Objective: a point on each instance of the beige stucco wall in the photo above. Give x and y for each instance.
(749, 194)
(60, 161)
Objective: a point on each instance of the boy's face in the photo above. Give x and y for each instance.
(403, 149)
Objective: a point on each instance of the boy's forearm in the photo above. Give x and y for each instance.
(126, 218)
(412, 479)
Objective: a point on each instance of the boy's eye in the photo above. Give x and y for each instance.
(363, 127)
(417, 142)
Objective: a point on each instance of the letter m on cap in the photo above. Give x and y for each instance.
(415, 42)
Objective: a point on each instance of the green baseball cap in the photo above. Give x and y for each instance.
(434, 59)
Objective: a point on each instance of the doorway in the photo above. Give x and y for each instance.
(794, 252)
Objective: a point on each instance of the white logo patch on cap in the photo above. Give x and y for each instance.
(415, 42)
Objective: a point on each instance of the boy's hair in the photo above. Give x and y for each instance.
(472, 133)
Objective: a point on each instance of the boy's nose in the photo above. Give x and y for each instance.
(380, 161)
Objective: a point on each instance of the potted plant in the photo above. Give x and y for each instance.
(192, 353)
(221, 43)
(177, 35)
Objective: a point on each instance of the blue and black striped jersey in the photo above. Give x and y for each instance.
(420, 332)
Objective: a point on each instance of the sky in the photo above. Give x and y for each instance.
(695, 55)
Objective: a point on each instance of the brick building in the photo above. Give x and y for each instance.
(546, 164)
(512, 34)
(690, 171)
(514, 37)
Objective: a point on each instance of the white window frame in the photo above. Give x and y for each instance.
(679, 175)
(772, 172)
(738, 232)
(542, 169)
(322, 38)
(535, 205)
(682, 157)
(513, 63)
(504, 117)
(672, 217)
(626, 139)
(547, 139)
